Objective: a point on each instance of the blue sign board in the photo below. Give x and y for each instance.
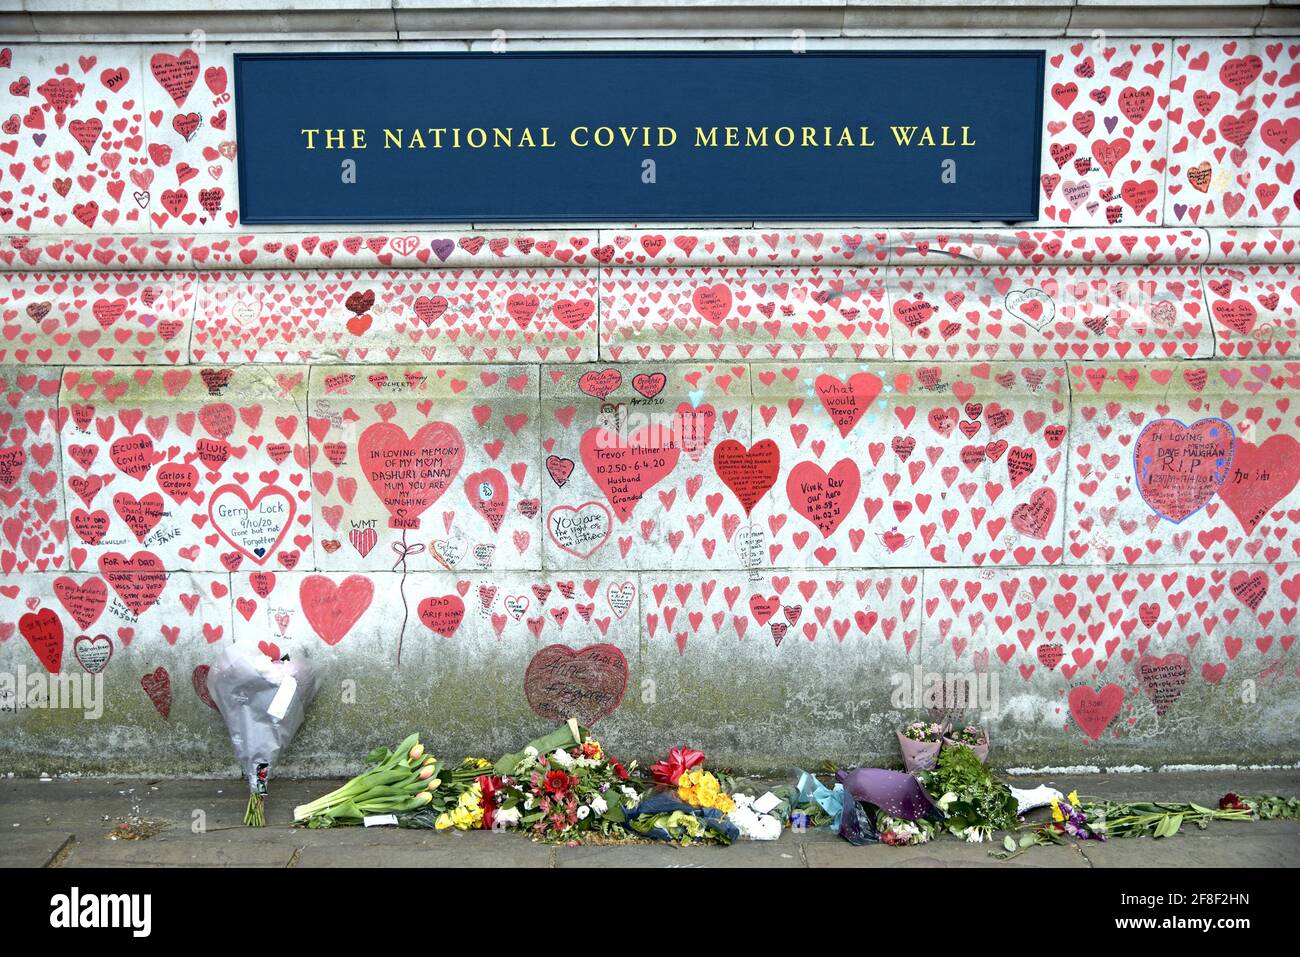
(374, 138)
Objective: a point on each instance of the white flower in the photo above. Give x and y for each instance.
(528, 803)
(769, 828)
(599, 805)
(562, 758)
(530, 751)
(633, 799)
(508, 816)
(583, 812)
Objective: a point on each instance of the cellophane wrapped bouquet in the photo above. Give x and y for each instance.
(263, 702)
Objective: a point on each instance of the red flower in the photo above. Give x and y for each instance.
(1231, 802)
(558, 782)
(489, 788)
(619, 770)
(680, 760)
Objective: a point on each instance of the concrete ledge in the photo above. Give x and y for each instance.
(266, 20)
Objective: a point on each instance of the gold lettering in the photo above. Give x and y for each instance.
(903, 134)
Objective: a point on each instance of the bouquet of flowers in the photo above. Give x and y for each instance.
(400, 781)
(1099, 820)
(563, 785)
(757, 819)
(472, 798)
(679, 761)
(690, 804)
(873, 794)
(263, 702)
(1265, 807)
(920, 742)
(971, 737)
(975, 804)
(899, 832)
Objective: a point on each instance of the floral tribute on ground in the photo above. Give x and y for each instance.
(566, 787)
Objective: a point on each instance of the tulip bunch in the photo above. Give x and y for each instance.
(396, 782)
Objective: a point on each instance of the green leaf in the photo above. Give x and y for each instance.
(1009, 842)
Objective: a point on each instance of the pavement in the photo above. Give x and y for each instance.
(73, 822)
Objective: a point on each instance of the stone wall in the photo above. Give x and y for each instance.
(1061, 458)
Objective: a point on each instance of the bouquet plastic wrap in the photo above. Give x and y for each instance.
(263, 702)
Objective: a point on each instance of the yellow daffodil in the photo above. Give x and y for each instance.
(1074, 798)
(444, 821)
(1057, 815)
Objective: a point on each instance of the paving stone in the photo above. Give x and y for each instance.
(31, 848)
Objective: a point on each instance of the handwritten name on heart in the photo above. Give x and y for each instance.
(749, 472)
(1163, 679)
(847, 402)
(442, 615)
(254, 527)
(588, 684)
(824, 498)
(579, 531)
(44, 633)
(625, 468)
(93, 654)
(410, 473)
(138, 581)
(1180, 467)
(1034, 518)
(1093, 711)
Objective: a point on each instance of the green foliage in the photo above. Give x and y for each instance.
(1269, 807)
(968, 793)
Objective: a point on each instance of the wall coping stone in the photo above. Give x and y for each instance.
(614, 248)
(291, 20)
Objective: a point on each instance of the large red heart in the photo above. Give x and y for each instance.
(138, 580)
(587, 684)
(1034, 518)
(1093, 711)
(1163, 679)
(847, 402)
(748, 472)
(825, 499)
(199, 679)
(332, 609)
(625, 468)
(84, 602)
(1180, 467)
(44, 632)
(442, 615)
(158, 686)
(256, 526)
(1262, 475)
(488, 493)
(410, 473)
